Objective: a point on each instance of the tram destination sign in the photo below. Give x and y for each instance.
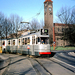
(44, 31)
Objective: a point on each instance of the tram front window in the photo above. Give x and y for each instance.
(43, 40)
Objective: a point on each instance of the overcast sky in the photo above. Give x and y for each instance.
(29, 8)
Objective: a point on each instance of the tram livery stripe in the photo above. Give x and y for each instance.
(44, 52)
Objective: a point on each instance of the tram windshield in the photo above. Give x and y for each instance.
(43, 40)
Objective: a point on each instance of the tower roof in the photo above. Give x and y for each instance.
(48, 1)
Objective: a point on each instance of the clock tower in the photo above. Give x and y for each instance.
(48, 15)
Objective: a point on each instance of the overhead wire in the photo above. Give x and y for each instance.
(37, 13)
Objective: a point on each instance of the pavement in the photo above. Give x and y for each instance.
(2, 58)
(54, 68)
(4, 61)
(19, 65)
(72, 53)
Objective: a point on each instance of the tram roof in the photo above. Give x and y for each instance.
(37, 33)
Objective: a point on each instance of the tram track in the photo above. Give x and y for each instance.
(62, 65)
(64, 60)
(43, 67)
(37, 71)
(39, 67)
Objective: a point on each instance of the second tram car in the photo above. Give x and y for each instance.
(33, 43)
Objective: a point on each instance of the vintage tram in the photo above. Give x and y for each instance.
(34, 43)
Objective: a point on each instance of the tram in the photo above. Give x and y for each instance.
(34, 43)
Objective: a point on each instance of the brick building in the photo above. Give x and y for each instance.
(55, 29)
(58, 34)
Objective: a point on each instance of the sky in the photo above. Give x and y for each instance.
(28, 9)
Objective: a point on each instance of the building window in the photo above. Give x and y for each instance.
(58, 29)
(50, 4)
(57, 39)
(50, 13)
(56, 43)
(62, 29)
(45, 13)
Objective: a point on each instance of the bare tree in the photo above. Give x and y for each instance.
(1, 23)
(67, 17)
(6, 27)
(72, 19)
(9, 25)
(42, 23)
(34, 24)
(64, 15)
(15, 21)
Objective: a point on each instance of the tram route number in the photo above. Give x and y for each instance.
(28, 46)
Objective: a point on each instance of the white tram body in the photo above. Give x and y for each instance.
(29, 44)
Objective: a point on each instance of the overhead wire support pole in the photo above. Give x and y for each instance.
(54, 42)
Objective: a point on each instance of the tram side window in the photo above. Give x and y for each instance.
(36, 40)
(19, 41)
(28, 40)
(13, 42)
(9, 43)
(33, 39)
(25, 41)
(3, 42)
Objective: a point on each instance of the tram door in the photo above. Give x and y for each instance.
(33, 44)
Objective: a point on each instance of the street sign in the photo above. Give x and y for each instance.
(54, 42)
